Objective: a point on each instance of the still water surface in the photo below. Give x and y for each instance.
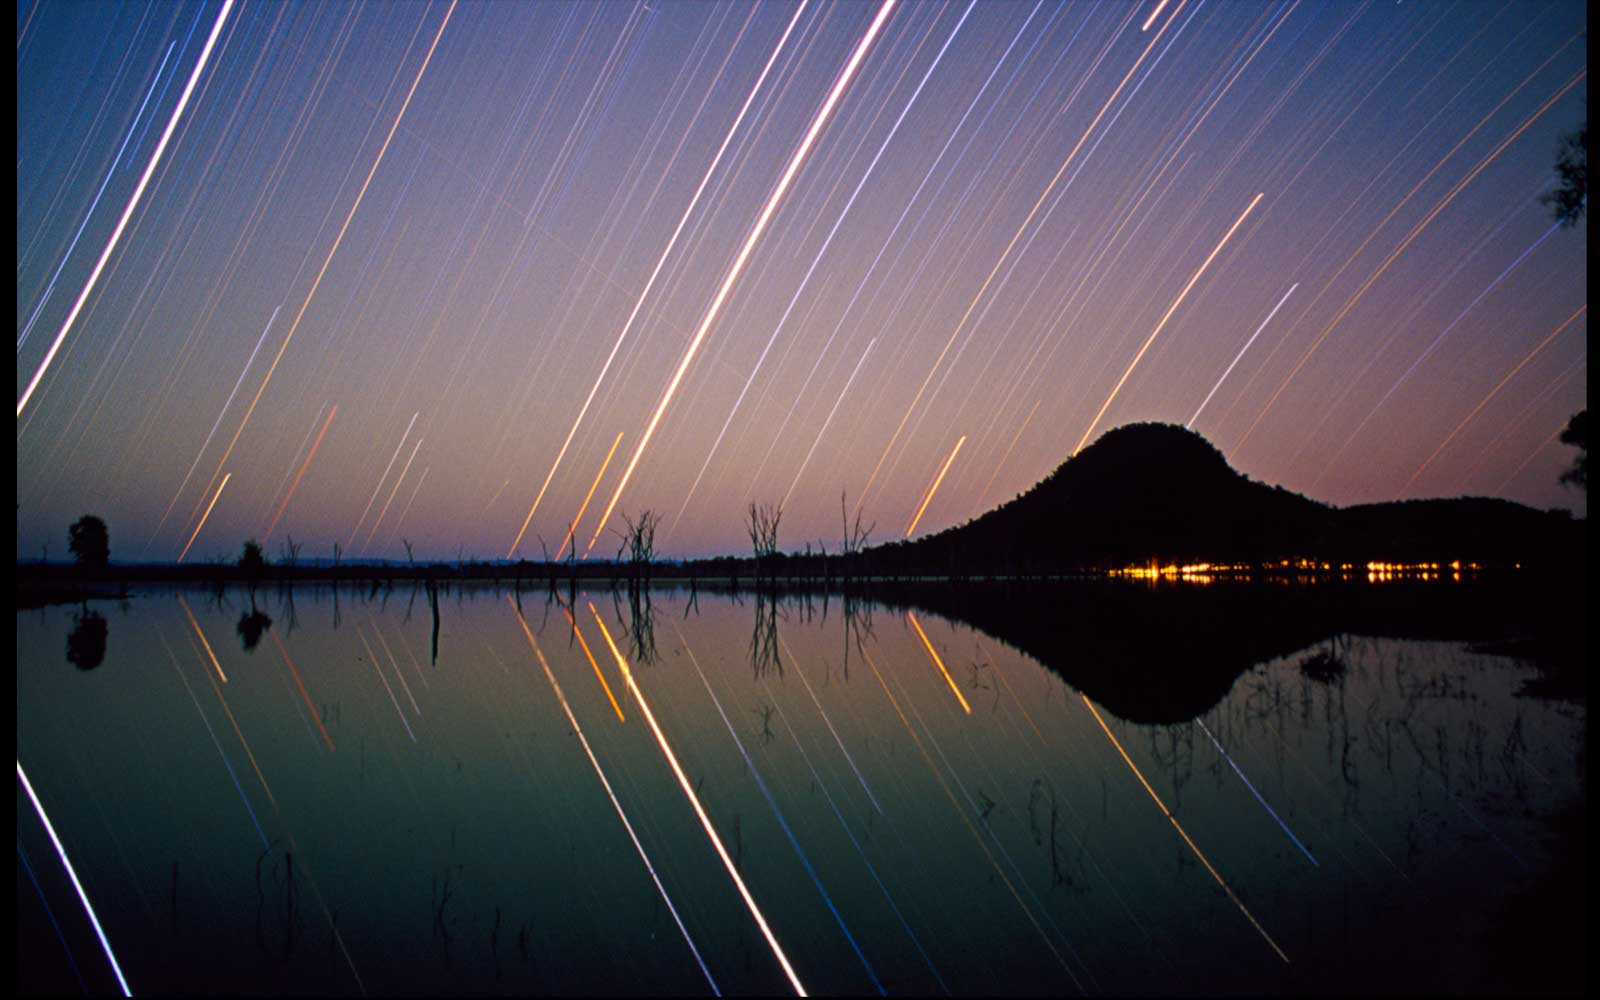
(616, 802)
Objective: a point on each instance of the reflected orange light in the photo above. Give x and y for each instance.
(303, 693)
(1179, 827)
(185, 605)
(615, 804)
(240, 733)
(938, 662)
(596, 666)
(699, 810)
(961, 813)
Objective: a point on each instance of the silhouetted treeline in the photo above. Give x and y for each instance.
(1141, 494)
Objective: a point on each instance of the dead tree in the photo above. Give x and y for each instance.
(763, 528)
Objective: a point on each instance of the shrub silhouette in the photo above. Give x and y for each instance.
(251, 627)
(90, 542)
(1577, 435)
(86, 643)
(1570, 198)
(252, 561)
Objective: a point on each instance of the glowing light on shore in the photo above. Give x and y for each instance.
(912, 618)
(699, 810)
(1181, 832)
(203, 517)
(1163, 321)
(133, 203)
(72, 873)
(935, 487)
(750, 241)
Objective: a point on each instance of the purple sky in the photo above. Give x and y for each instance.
(458, 224)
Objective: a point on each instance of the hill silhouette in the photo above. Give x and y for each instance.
(1159, 492)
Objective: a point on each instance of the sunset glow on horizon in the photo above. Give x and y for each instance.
(786, 249)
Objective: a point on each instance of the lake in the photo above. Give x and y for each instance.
(1093, 791)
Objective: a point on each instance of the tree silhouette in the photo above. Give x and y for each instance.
(1571, 195)
(1577, 435)
(252, 561)
(251, 627)
(90, 542)
(86, 643)
(1567, 203)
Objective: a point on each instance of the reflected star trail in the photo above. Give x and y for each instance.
(1081, 822)
(785, 248)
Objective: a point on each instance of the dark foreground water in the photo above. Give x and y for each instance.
(688, 796)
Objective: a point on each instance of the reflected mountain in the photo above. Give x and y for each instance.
(1167, 654)
(86, 643)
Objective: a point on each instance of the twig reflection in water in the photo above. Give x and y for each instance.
(848, 759)
(1270, 811)
(578, 730)
(705, 821)
(962, 813)
(1181, 832)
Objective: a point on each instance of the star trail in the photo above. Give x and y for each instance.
(783, 248)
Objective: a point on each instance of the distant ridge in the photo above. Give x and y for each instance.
(1158, 492)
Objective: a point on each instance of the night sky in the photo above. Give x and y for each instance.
(392, 268)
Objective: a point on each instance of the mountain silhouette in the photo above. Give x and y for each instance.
(1159, 492)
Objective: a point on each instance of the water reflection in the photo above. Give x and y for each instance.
(640, 791)
(252, 625)
(86, 643)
